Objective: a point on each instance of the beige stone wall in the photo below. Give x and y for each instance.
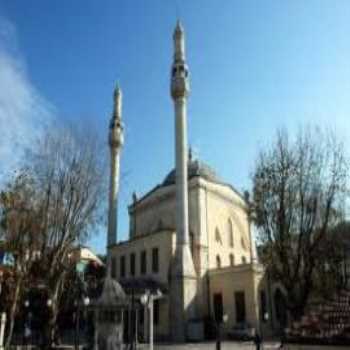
(314, 347)
(157, 211)
(226, 212)
(154, 213)
(227, 281)
(163, 240)
(212, 207)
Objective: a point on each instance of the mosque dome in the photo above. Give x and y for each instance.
(195, 168)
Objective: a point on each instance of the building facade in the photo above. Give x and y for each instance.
(228, 278)
(190, 237)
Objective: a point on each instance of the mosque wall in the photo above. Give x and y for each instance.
(228, 228)
(162, 241)
(229, 283)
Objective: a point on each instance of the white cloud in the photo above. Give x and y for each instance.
(24, 113)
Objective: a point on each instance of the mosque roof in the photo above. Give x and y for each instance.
(195, 168)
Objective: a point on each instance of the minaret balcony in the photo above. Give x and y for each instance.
(116, 138)
(180, 87)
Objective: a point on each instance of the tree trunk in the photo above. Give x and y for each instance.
(12, 313)
(53, 312)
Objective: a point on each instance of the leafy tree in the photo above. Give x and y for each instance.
(298, 195)
(20, 220)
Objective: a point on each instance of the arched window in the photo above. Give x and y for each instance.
(244, 260)
(192, 244)
(230, 233)
(218, 236)
(218, 262)
(244, 246)
(232, 260)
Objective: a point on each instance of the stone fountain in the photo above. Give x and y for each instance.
(108, 316)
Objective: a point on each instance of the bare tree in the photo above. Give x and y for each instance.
(299, 189)
(69, 169)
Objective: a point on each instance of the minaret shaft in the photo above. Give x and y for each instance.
(183, 275)
(181, 172)
(116, 141)
(113, 197)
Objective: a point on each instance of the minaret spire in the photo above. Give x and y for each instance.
(116, 141)
(183, 275)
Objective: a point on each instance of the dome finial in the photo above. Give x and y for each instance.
(179, 27)
(117, 90)
(117, 97)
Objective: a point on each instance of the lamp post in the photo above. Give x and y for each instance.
(147, 300)
(47, 336)
(258, 339)
(218, 331)
(26, 328)
(85, 301)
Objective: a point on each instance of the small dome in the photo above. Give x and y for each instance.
(195, 168)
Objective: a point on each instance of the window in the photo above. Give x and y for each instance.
(240, 307)
(232, 260)
(132, 264)
(122, 266)
(156, 312)
(218, 236)
(244, 260)
(141, 316)
(192, 243)
(218, 262)
(244, 246)
(113, 267)
(230, 233)
(155, 260)
(263, 309)
(218, 307)
(143, 262)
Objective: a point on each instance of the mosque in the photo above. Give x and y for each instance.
(190, 238)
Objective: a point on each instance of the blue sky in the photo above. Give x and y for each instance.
(255, 66)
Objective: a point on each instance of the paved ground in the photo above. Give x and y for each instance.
(212, 346)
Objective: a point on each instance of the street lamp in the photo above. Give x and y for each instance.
(258, 340)
(26, 328)
(85, 301)
(218, 330)
(47, 336)
(147, 300)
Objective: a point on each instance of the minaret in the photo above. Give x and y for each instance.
(116, 140)
(183, 276)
